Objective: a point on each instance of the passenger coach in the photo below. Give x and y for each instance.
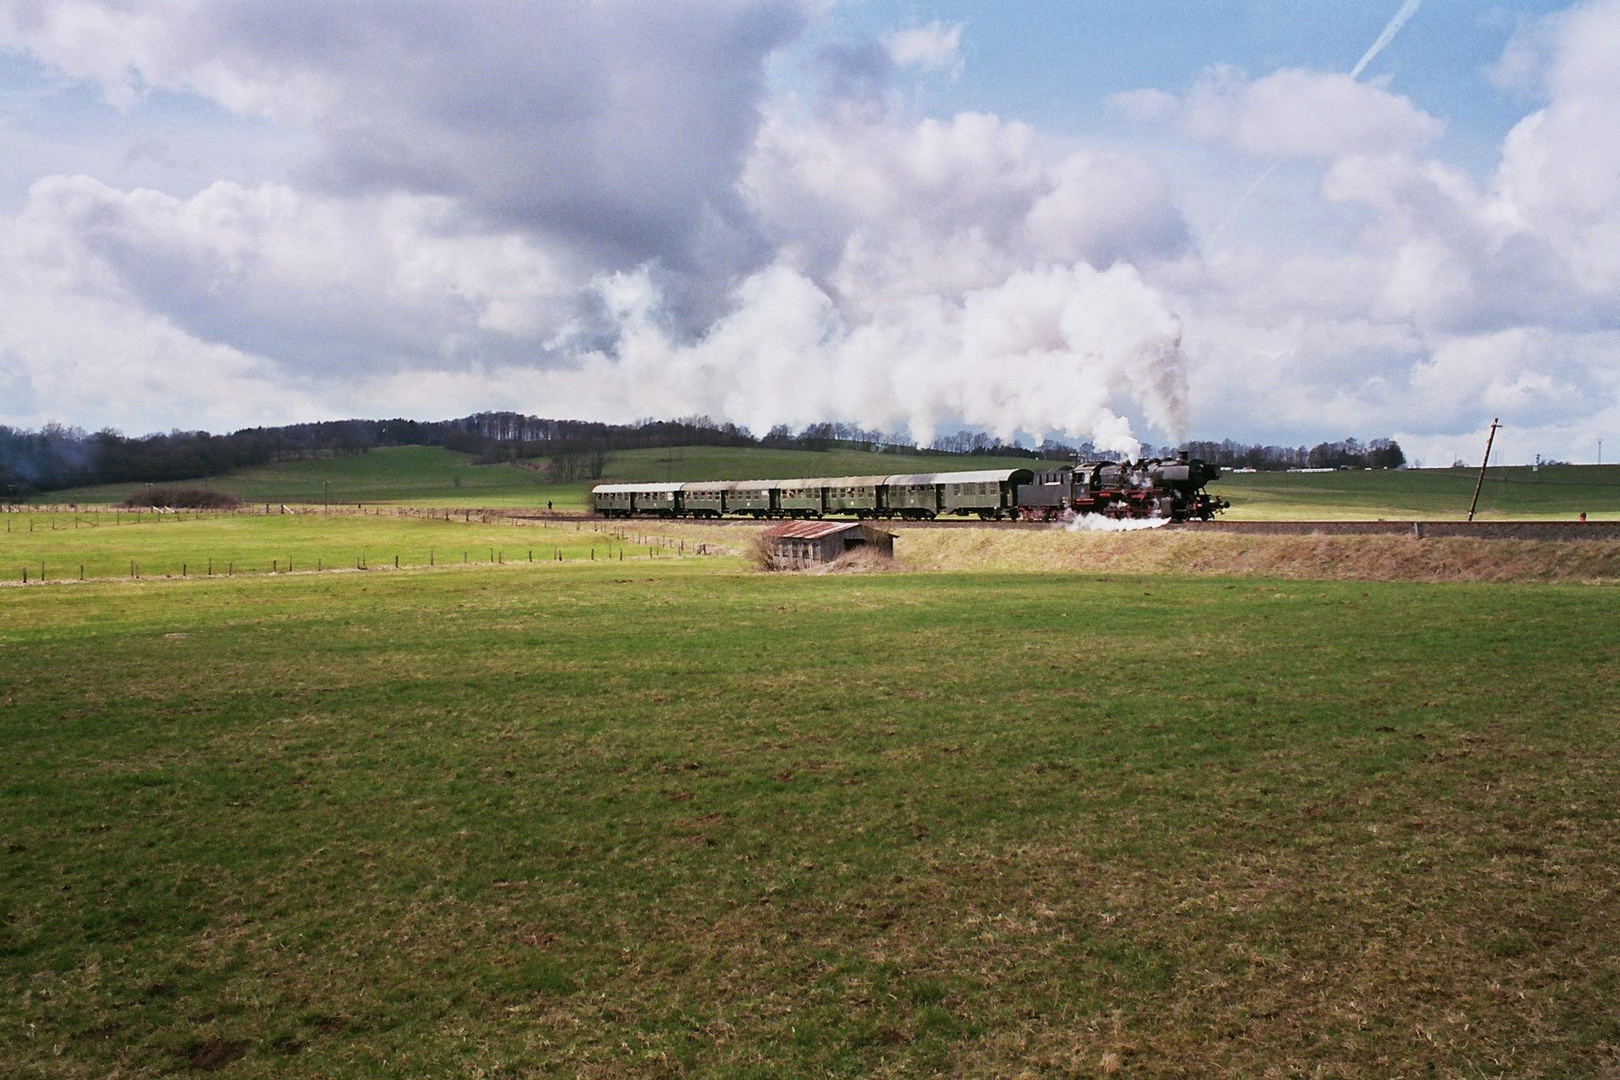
(989, 494)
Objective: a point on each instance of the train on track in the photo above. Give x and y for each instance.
(1173, 489)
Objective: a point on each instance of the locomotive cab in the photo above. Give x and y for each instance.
(1050, 492)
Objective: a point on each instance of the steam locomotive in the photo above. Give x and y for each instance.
(1158, 488)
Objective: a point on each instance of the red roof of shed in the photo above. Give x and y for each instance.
(811, 530)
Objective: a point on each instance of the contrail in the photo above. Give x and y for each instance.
(1241, 199)
(1408, 9)
(1393, 27)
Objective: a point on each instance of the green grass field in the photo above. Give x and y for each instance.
(669, 818)
(433, 477)
(1410, 494)
(119, 545)
(399, 475)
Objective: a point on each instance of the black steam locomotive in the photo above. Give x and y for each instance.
(1144, 489)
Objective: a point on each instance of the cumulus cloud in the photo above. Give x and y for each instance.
(560, 200)
(1457, 297)
(617, 126)
(316, 283)
(87, 355)
(880, 209)
(596, 209)
(1297, 113)
(1560, 173)
(935, 47)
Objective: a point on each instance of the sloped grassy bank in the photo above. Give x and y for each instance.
(1318, 557)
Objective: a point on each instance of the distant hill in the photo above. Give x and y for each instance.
(57, 458)
(1408, 494)
(435, 476)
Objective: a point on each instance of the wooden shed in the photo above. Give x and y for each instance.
(800, 544)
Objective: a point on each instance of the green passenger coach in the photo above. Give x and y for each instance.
(1157, 488)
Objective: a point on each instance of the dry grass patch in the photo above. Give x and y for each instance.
(863, 560)
(1318, 557)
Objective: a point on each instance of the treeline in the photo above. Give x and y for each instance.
(831, 436)
(57, 457)
(1345, 454)
(979, 444)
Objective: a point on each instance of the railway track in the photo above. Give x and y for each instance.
(1423, 530)
(1431, 530)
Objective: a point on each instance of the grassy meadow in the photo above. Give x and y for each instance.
(106, 544)
(431, 476)
(427, 476)
(1427, 494)
(396, 475)
(667, 817)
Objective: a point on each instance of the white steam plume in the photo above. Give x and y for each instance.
(1103, 523)
(1049, 350)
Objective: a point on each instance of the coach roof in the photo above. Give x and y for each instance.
(631, 489)
(847, 481)
(982, 476)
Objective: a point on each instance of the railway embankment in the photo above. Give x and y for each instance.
(1420, 530)
(1214, 552)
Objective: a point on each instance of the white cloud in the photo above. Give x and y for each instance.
(93, 359)
(956, 258)
(1560, 171)
(616, 125)
(320, 284)
(1455, 297)
(935, 47)
(1297, 113)
(1056, 349)
(594, 209)
(878, 210)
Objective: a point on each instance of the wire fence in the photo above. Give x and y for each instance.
(593, 541)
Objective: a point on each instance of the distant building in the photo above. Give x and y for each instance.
(800, 544)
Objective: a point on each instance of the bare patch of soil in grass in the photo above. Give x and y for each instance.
(215, 1054)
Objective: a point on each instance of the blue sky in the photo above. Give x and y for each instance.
(1054, 63)
(1032, 219)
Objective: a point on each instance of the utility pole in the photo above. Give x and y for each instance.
(1600, 451)
(1489, 439)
